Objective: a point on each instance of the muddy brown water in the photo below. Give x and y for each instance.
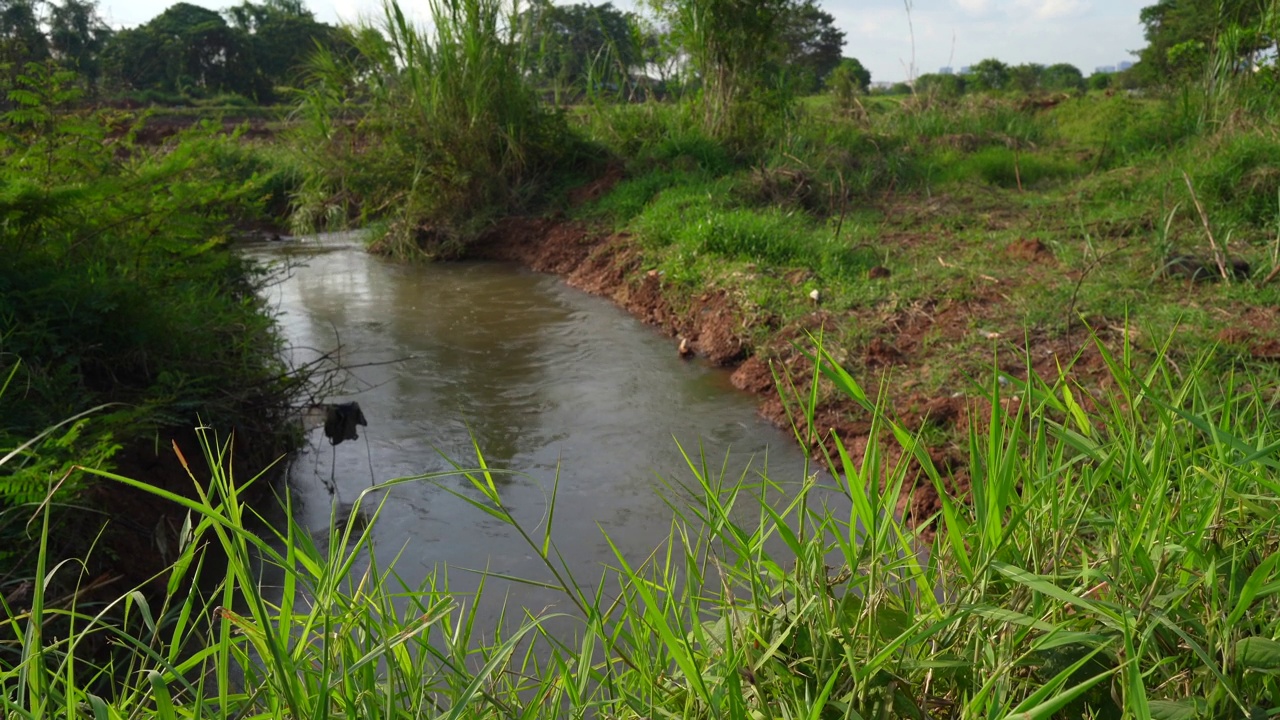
(543, 378)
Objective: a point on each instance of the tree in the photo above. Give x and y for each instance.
(580, 48)
(1062, 77)
(850, 70)
(733, 47)
(21, 40)
(849, 80)
(813, 44)
(990, 74)
(1177, 29)
(1026, 77)
(186, 48)
(77, 37)
(282, 35)
(1100, 81)
(939, 85)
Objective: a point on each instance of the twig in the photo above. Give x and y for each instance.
(1017, 172)
(1219, 257)
(844, 205)
(1275, 252)
(1075, 293)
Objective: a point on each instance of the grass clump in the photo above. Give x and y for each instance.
(1240, 175)
(433, 131)
(125, 319)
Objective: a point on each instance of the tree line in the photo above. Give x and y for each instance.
(256, 48)
(579, 49)
(251, 49)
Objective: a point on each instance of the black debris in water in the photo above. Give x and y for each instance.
(340, 422)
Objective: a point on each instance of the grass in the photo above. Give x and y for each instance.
(451, 136)
(990, 214)
(1115, 557)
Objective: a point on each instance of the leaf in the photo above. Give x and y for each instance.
(1188, 709)
(1254, 588)
(164, 702)
(1258, 653)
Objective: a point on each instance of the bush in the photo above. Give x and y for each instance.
(1240, 177)
(118, 288)
(450, 131)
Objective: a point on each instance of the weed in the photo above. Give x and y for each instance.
(1111, 557)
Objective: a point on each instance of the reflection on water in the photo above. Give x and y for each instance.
(545, 380)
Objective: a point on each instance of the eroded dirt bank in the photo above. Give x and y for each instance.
(728, 331)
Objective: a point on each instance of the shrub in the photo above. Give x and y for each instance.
(1240, 177)
(449, 133)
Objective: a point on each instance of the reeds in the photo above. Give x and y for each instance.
(1115, 556)
(432, 130)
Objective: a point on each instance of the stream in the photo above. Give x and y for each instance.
(544, 379)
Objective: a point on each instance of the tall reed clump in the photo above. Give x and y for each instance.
(1115, 557)
(735, 49)
(429, 131)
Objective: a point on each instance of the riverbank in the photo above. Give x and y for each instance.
(1042, 284)
(1111, 556)
(126, 321)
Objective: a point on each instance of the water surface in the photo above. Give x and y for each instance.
(544, 379)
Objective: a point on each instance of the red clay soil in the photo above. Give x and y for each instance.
(1032, 250)
(1253, 333)
(712, 326)
(901, 345)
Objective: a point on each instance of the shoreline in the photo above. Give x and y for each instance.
(709, 324)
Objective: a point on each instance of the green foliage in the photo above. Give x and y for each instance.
(1006, 167)
(579, 50)
(1026, 77)
(435, 133)
(21, 39)
(942, 86)
(117, 289)
(1062, 76)
(847, 81)
(1056, 587)
(813, 46)
(688, 226)
(190, 50)
(989, 74)
(735, 48)
(1181, 33)
(1100, 81)
(77, 36)
(281, 35)
(1240, 177)
(185, 49)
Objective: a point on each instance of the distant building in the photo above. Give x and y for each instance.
(966, 69)
(1105, 69)
(1124, 66)
(946, 70)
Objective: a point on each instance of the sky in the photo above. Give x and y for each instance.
(887, 37)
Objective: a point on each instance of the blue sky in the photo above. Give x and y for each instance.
(1085, 33)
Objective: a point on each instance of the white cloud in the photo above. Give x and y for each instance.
(975, 7)
(1051, 9)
